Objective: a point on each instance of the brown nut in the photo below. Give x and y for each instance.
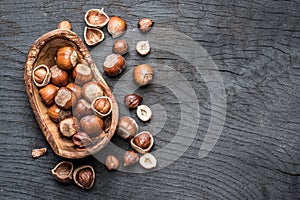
(82, 108)
(66, 58)
(114, 64)
(130, 158)
(82, 74)
(48, 93)
(116, 26)
(102, 106)
(120, 47)
(56, 114)
(92, 90)
(65, 98)
(143, 48)
(132, 100)
(143, 74)
(69, 126)
(64, 25)
(145, 24)
(144, 113)
(84, 176)
(82, 140)
(92, 125)
(127, 127)
(96, 18)
(111, 162)
(59, 77)
(35, 153)
(142, 142)
(76, 89)
(62, 172)
(93, 36)
(41, 75)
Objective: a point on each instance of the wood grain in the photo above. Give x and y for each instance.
(255, 45)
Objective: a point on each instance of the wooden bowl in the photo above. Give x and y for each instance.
(43, 51)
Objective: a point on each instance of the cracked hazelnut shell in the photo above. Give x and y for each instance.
(96, 18)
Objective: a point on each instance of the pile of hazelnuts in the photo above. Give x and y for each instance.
(113, 66)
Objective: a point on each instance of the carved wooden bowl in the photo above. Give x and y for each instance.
(43, 51)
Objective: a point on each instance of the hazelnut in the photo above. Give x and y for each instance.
(66, 58)
(92, 125)
(82, 108)
(56, 114)
(148, 161)
(59, 77)
(64, 25)
(143, 74)
(116, 26)
(84, 176)
(111, 162)
(41, 75)
(48, 93)
(130, 158)
(102, 106)
(142, 142)
(82, 74)
(143, 48)
(62, 172)
(127, 127)
(114, 64)
(35, 153)
(132, 100)
(92, 90)
(93, 36)
(120, 47)
(76, 89)
(69, 126)
(65, 98)
(82, 140)
(145, 24)
(144, 113)
(96, 18)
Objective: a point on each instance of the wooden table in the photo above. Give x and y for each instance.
(254, 47)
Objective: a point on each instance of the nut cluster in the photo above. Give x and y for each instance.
(68, 88)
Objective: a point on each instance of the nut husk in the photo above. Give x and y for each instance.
(84, 176)
(96, 18)
(38, 152)
(62, 172)
(142, 142)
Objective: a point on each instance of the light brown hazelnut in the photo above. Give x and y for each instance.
(145, 24)
(143, 74)
(82, 108)
(69, 126)
(91, 91)
(111, 162)
(127, 127)
(120, 47)
(116, 26)
(130, 158)
(114, 64)
(82, 74)
(65, 98)
(48, 93)
(59, 77)
(64, 25)
(92, 125)
(66, 58)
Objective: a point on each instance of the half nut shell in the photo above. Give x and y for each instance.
(62, 172)
(84, 176)
(93, 36)
(41, 75)
(97, 108)
(140, 148)
(96, 18)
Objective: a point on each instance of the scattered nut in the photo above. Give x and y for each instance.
(130, 158)
(114, 64)
(62, 172)
(84, 176)
(143, 74)
(120, 47)
(116, 26)
(144, 113)
(133, 100)
(148, 161)
(145, 24)
(143, 48)
(111, 162)
(127, 127)
(142, 142)
(38, 152)
(64, 25)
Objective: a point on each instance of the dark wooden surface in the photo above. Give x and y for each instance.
(255, 45)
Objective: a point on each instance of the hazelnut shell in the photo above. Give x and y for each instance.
(93, 36)
(96, 18)
(96, 111)
(87, 182)
(41, 80)
(140, 149)
(63, 171)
